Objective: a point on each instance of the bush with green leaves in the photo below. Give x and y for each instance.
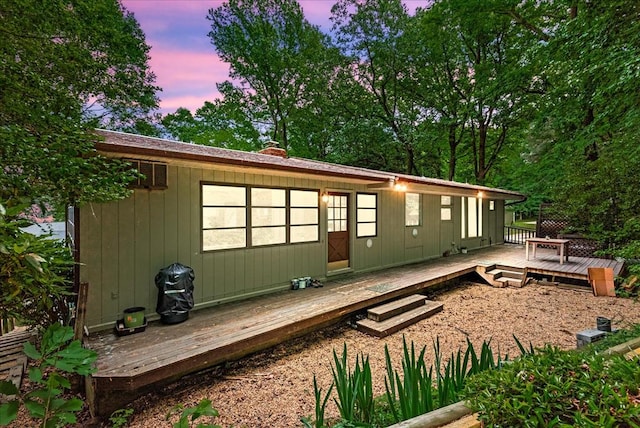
(34, 272)
(555, 388)
(58, 355)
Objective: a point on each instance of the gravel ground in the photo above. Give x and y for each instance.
(274, 388)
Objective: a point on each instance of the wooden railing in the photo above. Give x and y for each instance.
(517, 235)
(6, 325)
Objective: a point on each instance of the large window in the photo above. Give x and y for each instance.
(471, 217)
(224, 217)
(239, 216)
(412, 209)
(366, 215)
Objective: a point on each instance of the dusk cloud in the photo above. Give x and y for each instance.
(182, 56)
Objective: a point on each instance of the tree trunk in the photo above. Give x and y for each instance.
(453, 144)
(481, 170)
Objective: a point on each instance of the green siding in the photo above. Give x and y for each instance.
(124, 244)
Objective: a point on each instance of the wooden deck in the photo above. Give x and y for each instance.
(131, 365)
(13, 360)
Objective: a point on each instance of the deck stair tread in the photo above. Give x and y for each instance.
(502, 273)
(398, 322)
(509, 268)
(396, 307)
(506, 280)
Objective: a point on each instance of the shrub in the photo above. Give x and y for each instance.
(558, 388)
(34, 272)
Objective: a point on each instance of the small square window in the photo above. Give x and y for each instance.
(445, 213)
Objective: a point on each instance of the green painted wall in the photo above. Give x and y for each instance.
(124, 244)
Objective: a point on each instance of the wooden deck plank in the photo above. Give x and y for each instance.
(232, 330)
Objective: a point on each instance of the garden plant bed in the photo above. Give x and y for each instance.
(274, 387)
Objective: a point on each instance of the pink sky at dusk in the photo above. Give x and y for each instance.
(182, 56)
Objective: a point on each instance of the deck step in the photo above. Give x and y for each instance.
(509, 268)
(391, 309)
(508, 281)
(504, 273)
(398, 322)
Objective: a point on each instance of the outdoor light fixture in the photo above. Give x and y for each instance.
(398, 186)
(480, 194)
(325, 197)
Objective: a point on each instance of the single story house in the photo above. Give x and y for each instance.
(248, 223)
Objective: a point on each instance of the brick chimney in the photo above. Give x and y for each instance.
(273, 148)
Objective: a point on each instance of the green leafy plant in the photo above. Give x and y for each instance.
(120, 418)
(34, 271)
(558, 388)
(321, 404)
(355, 390)
(188, 415)
(57, 355)
(412, 394)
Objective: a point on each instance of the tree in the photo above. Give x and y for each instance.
(499, 75)
(592, 107)
(274, 54)
(67, 67)
(221, 123)
(371, 35)
(440, 79)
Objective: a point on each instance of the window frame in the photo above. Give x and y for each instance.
(465, 210)
(446, 205)
(203, 229)
(251, 207)
(291, 208)
(362, 210)
(248, 208)
(419, 219)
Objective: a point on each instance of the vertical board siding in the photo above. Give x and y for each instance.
(126, 252)
(143, 276)
(157, 259)
(91, 267)
(196, 263)
(109, 293)
(171, 215)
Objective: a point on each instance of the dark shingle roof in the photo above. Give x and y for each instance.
(131, 144)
